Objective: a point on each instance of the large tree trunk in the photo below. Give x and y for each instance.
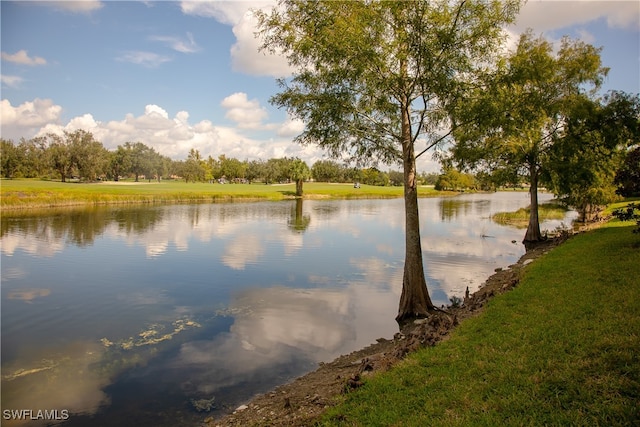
(299, 183)
(414, 301)
(533, 230)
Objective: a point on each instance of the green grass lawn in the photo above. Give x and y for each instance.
(562, 348)
(36, 193)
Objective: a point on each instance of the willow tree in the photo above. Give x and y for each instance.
(519, 117)
(374, 81)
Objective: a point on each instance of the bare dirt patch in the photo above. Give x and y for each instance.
(302, 401)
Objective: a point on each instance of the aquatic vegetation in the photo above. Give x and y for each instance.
(28, 295)
(74, 376)
(152, 335)
(520, 218)
(22, 372)
(204, 405)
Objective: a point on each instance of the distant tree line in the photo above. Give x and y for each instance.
(79, 156)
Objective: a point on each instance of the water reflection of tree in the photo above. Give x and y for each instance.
(82, 228)
(299, 222)
(138, 221)
(78, 226)
(451, 208)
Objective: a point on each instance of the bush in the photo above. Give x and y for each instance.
(631, 212)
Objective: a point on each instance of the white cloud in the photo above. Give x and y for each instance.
(224, 12)
(586, 36)
(11, 81)
(79, 6)
(23, 58)
(245, 54)
(171, 136)
(552, 14)
(27, 118)
(84, 122)
(541, 15)
(246, 113)
(182, 45)
(291, 127)
(242, 250)
(146, 59)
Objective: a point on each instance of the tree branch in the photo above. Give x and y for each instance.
(436, 142)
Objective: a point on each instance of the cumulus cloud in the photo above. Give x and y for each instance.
(225, 12)
(170, 135)
(27, 118)
(23, 58)
(85, 122)
(246, 113)
(245, 54)
(146, 59)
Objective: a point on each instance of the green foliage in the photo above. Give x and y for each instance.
(11, 158)
(631, 212)
(194, 168)
(396, 177)
(373, 79)
(428, 178)
(587, 153)
(52, 156)
(362, 65)
(628, 176)
(119, 163)
(231, 168)
(513, 123)
(455, 180)
(331, 171)
(373, 176)
(299, 172)
(86, 155)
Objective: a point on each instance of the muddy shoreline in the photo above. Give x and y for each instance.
(302, 401)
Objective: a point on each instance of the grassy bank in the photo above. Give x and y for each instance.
(18, 194)
(560, 349)
(520, 218)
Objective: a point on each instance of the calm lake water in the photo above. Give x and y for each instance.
(136, 316)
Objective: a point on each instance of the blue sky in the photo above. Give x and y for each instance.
(181, 75)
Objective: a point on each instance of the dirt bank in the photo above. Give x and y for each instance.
(302, 401)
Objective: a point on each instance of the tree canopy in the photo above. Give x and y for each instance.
(512, 124)
(589, 151)
(373, 79)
